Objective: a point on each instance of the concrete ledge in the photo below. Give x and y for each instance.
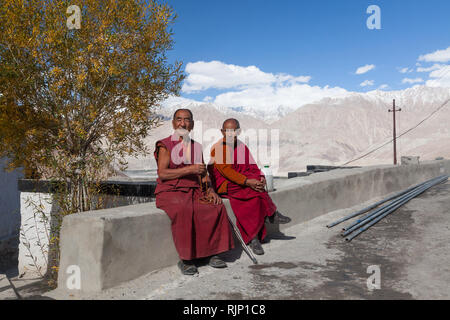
(112, 246)
(115, 245)
(308, 197)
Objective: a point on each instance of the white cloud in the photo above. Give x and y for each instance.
(367, 83)
(291, 79)
(439, 74)
(429, 69)
(411, 81)
(269, 97)
(440, 77)
(218, 75)
(383, 86)
(405, 70)
(437, 56)
(251, 87)
(365, 69)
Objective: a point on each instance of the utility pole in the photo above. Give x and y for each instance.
(395, 135)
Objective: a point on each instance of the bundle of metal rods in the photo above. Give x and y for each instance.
(373, 217)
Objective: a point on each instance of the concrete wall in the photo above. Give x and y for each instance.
(116, 245)
(36, 210)
(9, 215)
(309, 197)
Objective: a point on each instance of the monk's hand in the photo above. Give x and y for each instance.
(263, 180)
(199, 169)
(255, 184)
(214, 197)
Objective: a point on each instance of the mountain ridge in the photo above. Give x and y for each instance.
(333, 131)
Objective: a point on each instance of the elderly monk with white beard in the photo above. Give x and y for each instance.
(200, 226)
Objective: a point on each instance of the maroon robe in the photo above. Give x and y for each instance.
(198, 229)
(249, 206)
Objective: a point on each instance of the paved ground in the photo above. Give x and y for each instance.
(29, 287)
(410, 246)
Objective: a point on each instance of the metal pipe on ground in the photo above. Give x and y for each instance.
(409, 196)
(376, 204)
(379, 212)
(364, 228)
(409, 190)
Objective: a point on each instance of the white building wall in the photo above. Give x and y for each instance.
(34, 232)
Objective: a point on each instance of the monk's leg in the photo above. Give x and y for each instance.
(212, 230)
(268, 206)
(249, 216)
(251, 208)
(179, 208)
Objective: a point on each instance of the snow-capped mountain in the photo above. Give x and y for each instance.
(335, 131)
(331, 131)
(267, 115)
(411, 97)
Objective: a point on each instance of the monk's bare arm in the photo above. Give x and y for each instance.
(164, 173)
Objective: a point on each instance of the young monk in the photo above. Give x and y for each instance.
(236, 177)
(200, 226)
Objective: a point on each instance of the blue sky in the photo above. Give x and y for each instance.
(295, 45)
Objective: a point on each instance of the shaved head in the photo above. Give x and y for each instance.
(231, 121)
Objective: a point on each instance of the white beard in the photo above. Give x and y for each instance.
(180, 132)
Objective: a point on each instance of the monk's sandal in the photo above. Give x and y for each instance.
(256, 247)
(278, 218)
(216, 262)
(187, 267)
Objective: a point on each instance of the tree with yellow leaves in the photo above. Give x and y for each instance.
(79, 87)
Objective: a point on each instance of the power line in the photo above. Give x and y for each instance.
(372, 151)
